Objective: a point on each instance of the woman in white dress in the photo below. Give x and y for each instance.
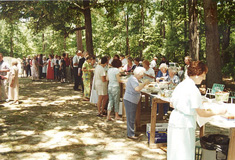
(187, 102)
(44, 67)
(34, 69)
(13, 92)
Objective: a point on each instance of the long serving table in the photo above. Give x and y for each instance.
(215, 120)
(222, 123)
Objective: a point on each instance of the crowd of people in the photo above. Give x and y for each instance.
(99, 81)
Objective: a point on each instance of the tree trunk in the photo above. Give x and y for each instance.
(87, 14)
(212, 43)
(127, 35)
(43, 43)
(162, 30)
(11, 40)
(193, 31)
(65, 46)
(142, 22)
(79, 40)
(225, 44)
(185, 29)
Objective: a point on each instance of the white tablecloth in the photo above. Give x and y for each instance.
(217, 120)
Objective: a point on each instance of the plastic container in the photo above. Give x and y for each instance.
(214, 147)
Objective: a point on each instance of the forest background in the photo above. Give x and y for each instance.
(203, 29)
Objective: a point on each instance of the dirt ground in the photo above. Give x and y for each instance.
(53, 123)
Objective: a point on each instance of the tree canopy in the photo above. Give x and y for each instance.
(140, 28)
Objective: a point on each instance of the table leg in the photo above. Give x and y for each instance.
(123, 112)
(153, 124)
(146, 100)
(160, 111)
(231, 149)
(137, 117)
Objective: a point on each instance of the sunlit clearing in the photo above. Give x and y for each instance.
(55, 138)
(34, 156)
(63, 156)
(5, 148)
(26, 133)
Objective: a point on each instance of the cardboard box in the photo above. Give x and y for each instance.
(160, 137)
(162, 127)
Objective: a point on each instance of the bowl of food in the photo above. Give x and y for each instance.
(163, 85)
(222, 96)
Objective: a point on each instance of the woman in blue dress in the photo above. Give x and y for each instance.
(187, 102)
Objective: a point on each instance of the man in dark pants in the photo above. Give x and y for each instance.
(28, 66)
(40, 64)
(81, 61)
(75, 69)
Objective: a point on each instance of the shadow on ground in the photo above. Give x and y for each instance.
(52, 122)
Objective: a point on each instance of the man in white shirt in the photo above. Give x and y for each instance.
(4, 68)
(75, 69)
(123, 59)
(153, 63)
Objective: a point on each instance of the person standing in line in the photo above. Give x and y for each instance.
(131, 99)
(44, 67)
(137, 63)
(113, 77)
(34, 69)
(123, 59)
(50, 68)
(54, 65)
(13, 93)
(128, 66)
(62, 69)
(40, 65)
(164, 60)
(80, 64)
(86, 76)
(187, 61)
(187, 103)
(24, 67)
(101, 86)
(4, 68)
(149, 73)
(153, 63)
(93, 96)
(75, 69)
(67, 62)
(28, 66)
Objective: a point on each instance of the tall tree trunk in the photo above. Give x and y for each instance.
(11, 40)
(193, 31)
(162, 30)
(127, 34)
(79, 40)
(185, 29)
(43, 43)
(142, 22)
(212, 43)
(65, 45)
(87, 14)
(225, 43)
